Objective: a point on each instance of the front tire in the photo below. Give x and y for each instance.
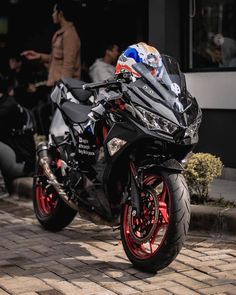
(153, 240)
(50, 210)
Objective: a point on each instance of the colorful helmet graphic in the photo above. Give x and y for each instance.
(140, 52)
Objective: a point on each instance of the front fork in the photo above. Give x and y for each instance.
(136, 185)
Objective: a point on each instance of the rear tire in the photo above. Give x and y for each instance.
(51, 211)
(152, 241)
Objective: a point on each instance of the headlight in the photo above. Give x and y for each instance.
(155, 122)
(193, 128)
(114, 145)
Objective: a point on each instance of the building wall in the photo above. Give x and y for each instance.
(215, 91)
(216, 95)
(164, 26)
(218, 136)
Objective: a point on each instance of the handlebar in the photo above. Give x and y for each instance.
(90, 86)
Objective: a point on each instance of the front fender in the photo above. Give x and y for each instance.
(171, 165)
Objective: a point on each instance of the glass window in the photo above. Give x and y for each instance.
(3, 25)
(212, 35)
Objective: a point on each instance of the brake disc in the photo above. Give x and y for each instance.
(142, 229)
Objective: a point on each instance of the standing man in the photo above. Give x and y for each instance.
(64, 60)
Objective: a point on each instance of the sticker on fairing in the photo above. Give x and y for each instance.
(175, 88)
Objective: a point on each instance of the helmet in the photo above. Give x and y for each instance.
(140, 53)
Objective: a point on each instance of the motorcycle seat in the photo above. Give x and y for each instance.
(77, 113)
(75, 87)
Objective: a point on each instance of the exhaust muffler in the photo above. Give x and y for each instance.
(43, 159)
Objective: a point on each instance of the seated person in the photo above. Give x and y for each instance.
(227, 46)
(104, 68)
(21, 81)
(17, 146)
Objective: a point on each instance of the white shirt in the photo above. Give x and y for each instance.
(100, 71)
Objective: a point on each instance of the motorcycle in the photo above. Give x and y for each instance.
(117, 160)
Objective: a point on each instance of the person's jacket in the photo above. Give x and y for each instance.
(64, 60)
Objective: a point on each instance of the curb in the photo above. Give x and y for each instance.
(213, 219)
(218, 220)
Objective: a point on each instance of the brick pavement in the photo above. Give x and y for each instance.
(89, 259)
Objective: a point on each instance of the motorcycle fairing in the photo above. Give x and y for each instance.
(123, 131)
(140, 94)
(167, 95)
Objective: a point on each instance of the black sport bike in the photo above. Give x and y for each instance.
(114, 155)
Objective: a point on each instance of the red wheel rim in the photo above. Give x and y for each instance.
(145, 235)
(46, 202)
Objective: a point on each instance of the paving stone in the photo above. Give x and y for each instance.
(187, 260)
(213, 262)
(157, 286)
(23, 285)
(206, 269)
(228, 266)
(191, 283)
(119, 288)
(213, 257)
(90, 287)
(192, 253)
(50, 292)
(222, 288)
(48, 277)
(65, 287)
(181, 290)
(2, 292)
(179, 266)
(218, 282)
(197, 275)
(155, 292)
(229, 275)
(71, 262)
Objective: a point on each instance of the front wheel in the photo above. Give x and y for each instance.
(153, 240)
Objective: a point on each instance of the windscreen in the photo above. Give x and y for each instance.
(172, 77)
(170, 84)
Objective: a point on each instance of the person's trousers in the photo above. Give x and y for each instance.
(9, 167)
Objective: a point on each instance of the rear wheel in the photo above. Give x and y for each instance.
(153, 240)
(51, 211)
